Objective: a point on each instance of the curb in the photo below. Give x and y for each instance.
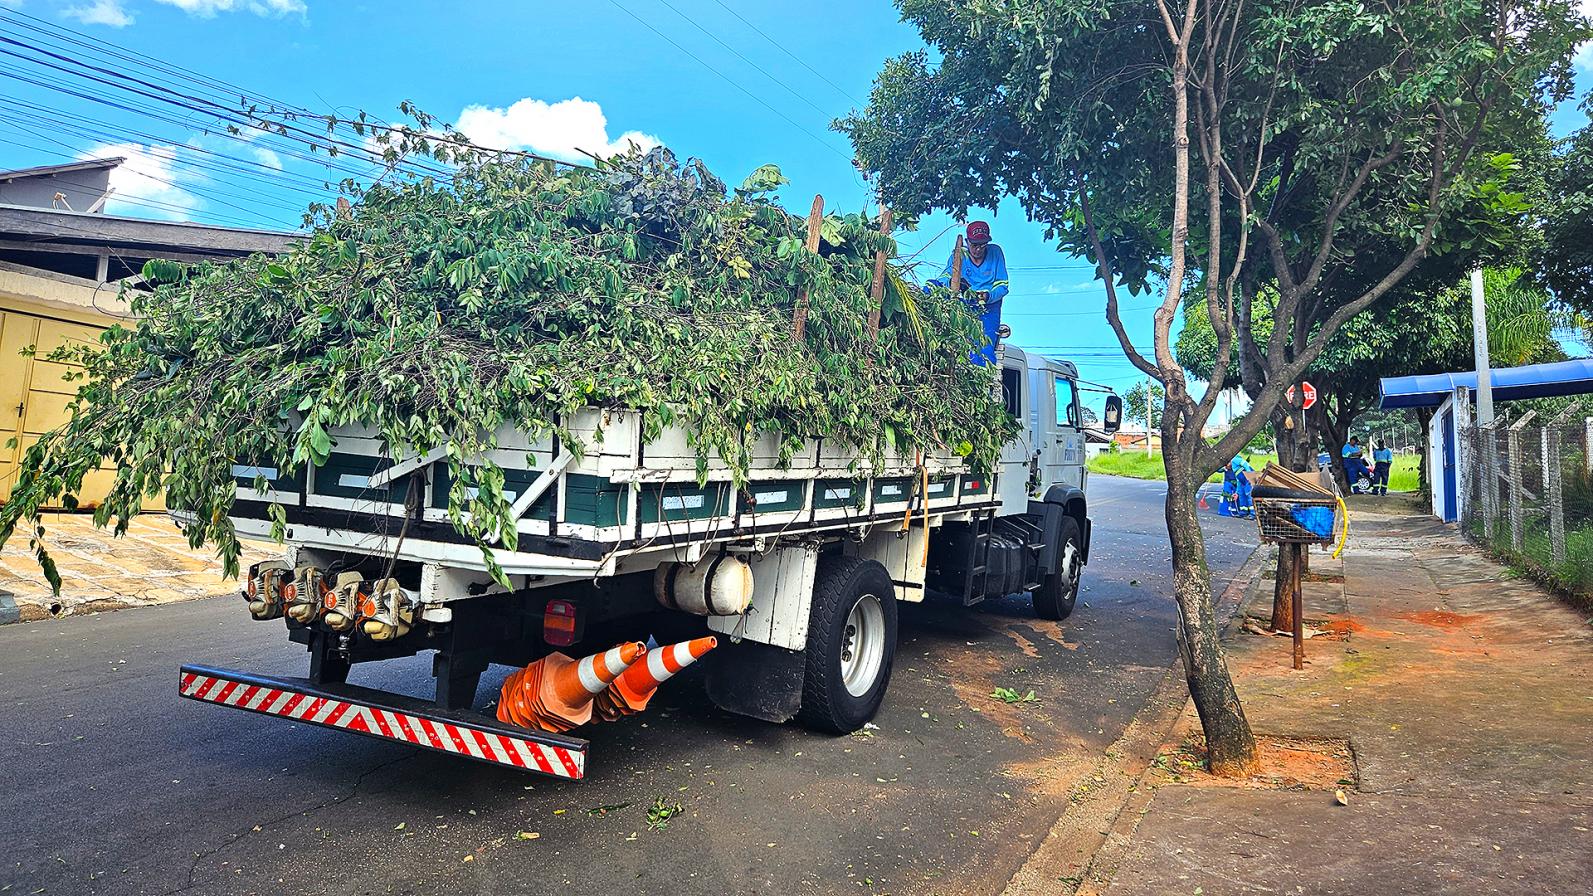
(1104, 808)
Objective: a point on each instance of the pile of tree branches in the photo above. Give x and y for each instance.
(513, 293)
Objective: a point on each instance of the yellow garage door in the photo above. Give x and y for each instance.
(34, 393)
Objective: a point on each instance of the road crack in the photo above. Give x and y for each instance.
(262, 827)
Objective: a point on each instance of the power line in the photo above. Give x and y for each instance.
(106, 132)
(213, 195)
(734, 83)
(784, 86)
(800, 61)
(142, 201)
(287, 113)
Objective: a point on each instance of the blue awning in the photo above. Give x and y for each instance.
(1509, 383)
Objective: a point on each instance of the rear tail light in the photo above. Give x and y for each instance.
(561, 623)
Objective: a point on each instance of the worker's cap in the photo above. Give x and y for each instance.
(978, 233)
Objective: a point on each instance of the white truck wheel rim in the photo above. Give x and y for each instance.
(863, 645)
(1070, 566)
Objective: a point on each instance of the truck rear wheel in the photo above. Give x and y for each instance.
(851, 645)
(1059, 592)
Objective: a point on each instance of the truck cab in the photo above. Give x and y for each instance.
(1037, 541)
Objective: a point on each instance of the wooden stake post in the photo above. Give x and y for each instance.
(956, 268)
(877, 294)
(815, 221)
(1297, 600)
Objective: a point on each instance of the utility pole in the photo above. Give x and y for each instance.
(1150, 402)
(1485, 435)
(1479, 342)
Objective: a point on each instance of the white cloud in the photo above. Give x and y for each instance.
(100, 12)
(146, 184)
(208, 8)
(266, 157)
(558, 129)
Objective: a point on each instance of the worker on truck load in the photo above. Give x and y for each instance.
(984, 283)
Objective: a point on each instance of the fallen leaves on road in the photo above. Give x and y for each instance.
(527, 835)
(1010, 696)
(660, 813)
(1340, 798)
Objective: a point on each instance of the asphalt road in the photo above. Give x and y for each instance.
(109, 783)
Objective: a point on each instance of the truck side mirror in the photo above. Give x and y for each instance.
(1112, 416)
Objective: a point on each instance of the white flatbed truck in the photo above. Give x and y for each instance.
(799, 571)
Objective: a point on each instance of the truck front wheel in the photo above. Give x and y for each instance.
(1060, 591)
(851, 645)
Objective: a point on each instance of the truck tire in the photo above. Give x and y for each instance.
(1060, 590)
(851, 645)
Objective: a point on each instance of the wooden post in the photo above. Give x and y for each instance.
(1298, 600)
(877, 294)
(956, 269)
(815, 220)
(1513, 478)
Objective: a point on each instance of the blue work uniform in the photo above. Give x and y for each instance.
(1354, 463)
(1382, 463)
(1237, 468)
(988, 277)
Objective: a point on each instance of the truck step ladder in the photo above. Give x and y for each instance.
(978, 577)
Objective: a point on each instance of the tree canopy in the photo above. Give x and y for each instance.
(1317, 152)
(1565, 264)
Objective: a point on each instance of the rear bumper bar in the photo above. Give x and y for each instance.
(388, 716)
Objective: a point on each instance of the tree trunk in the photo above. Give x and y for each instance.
(1230, 747)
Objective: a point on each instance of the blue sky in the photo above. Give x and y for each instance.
(694, 74)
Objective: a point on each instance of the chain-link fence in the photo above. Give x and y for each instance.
(1528, 486)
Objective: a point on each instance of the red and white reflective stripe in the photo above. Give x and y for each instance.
(391, 724)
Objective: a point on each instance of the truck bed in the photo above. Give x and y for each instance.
(618, 497)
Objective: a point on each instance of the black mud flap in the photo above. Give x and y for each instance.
(756, 680)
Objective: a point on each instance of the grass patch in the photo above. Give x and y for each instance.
(1403, 477)
(1133, 464)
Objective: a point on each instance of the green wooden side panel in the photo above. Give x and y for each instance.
(244, 472)
(773, 496)
(838, 493)
(679, 502)
(593, 501)
(515, 482)
(896, 490)
(347, 475)
(942, 486)
(975, 485)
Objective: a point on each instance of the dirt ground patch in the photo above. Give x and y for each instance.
(1438, 618)
(1286, 763)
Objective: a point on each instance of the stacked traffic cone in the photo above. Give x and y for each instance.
(630, 692)
(555, 693)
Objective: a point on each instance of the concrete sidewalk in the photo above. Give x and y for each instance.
(1464, 696)
(151, 565)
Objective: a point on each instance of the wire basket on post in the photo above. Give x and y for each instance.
(1298, 520)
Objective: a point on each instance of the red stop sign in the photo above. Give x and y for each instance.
(1310, 395)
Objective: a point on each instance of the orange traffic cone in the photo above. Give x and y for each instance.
(555, 693)
(630, 692)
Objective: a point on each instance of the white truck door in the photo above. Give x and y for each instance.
(1063, 450)
(1013, 483)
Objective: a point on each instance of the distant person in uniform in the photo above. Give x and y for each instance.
(1354, 464)
(984, 284)
(1382, 462)
(1240, 471)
